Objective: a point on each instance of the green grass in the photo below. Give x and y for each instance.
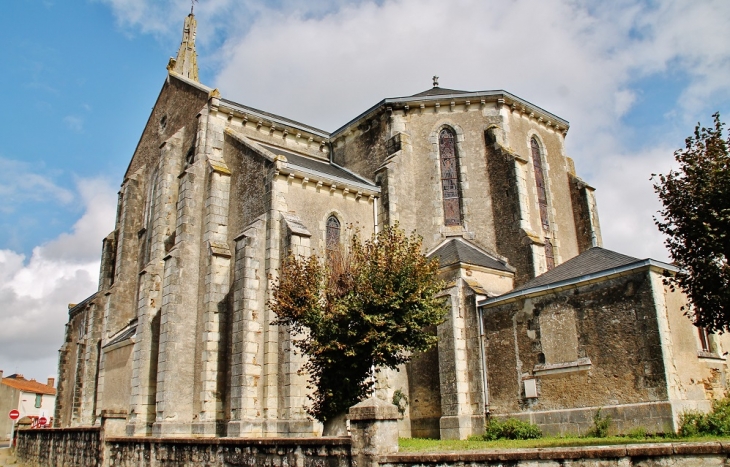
(437, 445)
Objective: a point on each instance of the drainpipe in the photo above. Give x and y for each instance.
(485, 383)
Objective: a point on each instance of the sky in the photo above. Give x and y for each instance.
(79, 78)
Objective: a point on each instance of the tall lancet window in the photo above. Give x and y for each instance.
(450, 177)
(333, 233)
(542, 202)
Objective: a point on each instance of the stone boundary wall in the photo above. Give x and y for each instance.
(59, 447)
(227, 452)
(81, 447)
(644, 455)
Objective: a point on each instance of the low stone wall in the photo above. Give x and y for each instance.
(59, 447)
(227, 452)
(638, 455)
(654, 417)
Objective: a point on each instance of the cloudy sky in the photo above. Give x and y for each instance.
(79, 78)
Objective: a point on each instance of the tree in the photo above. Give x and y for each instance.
(696, 220)
(352, 312)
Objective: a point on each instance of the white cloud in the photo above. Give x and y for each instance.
(21, 182)
(34, 293)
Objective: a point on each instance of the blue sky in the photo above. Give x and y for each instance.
(80, 77)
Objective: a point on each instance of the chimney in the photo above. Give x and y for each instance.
(1, 374)
(51, 381)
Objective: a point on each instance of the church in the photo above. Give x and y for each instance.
(544, 324)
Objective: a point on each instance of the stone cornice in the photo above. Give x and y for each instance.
(451, 101)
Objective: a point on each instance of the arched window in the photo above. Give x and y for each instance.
(450, 177)
(542, 201)
(333, 233)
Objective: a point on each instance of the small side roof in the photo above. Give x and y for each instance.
(318, 166)
(592, 264)
(591, 261)
(22, 384)
(457, 250)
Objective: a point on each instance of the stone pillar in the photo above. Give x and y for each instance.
(159, 234)
(458, 403)
(179, 307)
(247, 332)
(374, 431)
(216, 285)
(276, 190)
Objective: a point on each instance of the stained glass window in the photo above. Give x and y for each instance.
(333, 233)
(450, 177)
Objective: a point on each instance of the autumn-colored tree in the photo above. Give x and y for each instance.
(696, 221)
(369, 306)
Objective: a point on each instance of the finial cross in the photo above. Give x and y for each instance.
(192, 5)
(435, 81)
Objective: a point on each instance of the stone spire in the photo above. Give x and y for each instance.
(186, 63)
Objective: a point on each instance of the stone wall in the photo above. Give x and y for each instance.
(158, 452)
(638, 455)
(59, 447)
(594, 346)
(81, 447)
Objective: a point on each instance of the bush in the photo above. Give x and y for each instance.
(600, 425)
(715, 423)
(637, 433)
(510, 429)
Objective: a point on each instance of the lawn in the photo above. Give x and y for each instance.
(437, 445)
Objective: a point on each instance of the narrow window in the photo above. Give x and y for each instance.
(540, 182)
(705, 340)
(38, 400)
(542, 202)
(450, 178)
(333, 233)
(549, 254)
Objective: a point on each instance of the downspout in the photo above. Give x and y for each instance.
(485, 381)
(375, 215)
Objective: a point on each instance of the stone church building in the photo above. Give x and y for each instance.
(544, 323)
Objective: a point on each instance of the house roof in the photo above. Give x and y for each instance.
(18, 382)
(594, 263)
(457, 250)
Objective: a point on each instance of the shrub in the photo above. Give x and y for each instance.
(600, 425)
(716, 423)
(637, 433)
(510, 429)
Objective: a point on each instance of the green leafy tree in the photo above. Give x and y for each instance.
(696, 221)
(354, 311)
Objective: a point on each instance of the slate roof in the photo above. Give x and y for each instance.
(289, 121)
(124, 335)
(18, 382)
(319, 166)
(457, 251)
(591, 261)
(436, 91)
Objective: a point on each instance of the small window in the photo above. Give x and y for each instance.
(38, 400)
(333, 233)
(706, 343)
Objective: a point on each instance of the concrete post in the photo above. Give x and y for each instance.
(374, 430)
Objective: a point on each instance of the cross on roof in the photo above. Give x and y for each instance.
(435, 81)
